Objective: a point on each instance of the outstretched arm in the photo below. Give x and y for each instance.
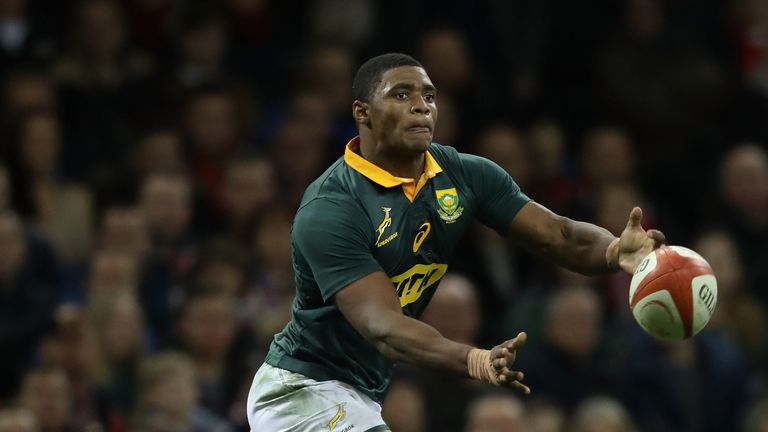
(371, 306)
(581, 246)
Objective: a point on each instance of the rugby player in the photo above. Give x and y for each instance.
(371, 239)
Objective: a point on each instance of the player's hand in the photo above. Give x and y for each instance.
(635, 242)
(502, 358)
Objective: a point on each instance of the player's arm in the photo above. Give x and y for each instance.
(582, 246)
(371, 306)
(579, 246)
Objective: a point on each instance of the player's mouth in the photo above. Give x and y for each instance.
(420, 129)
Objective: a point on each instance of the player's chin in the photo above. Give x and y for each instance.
(418, 142)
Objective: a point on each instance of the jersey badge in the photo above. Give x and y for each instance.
(386, 223)
(448, 200)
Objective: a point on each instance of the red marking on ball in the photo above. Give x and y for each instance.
(674, 273)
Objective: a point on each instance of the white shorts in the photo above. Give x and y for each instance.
(285, 401)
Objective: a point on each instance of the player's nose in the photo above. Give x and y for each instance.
(419, 106)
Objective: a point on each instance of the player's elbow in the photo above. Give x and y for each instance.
(374, 326)
(383, 339)
(379, 331)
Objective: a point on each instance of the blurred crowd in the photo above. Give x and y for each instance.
(153, 153)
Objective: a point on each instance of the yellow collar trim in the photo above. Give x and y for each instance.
(381, 176)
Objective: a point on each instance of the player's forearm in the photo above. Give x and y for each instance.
(408, 340)
(586, 248)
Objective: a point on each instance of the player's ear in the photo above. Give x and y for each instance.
(361, 113)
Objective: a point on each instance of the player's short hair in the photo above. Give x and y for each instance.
(368, 76)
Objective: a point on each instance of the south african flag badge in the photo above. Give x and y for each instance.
(448, 203)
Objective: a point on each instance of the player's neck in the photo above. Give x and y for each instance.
(406, 165)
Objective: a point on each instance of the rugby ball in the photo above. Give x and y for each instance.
(673, 293)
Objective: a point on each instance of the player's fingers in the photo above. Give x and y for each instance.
(635, 217)
(518, 341)
(658, 238)
(496, 352)
(520, 386)
(499, 364)
(509, 375)
(513, 379)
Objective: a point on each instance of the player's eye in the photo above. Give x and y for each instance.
(429, 97)
(401, 95)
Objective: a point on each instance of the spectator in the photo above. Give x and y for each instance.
(608, 157)
(158, 151)
(18, 420)
(28, 293)
(271, 289)
(326, 70)
(544, 416)
(124, 230)
(72, 347)
(570, 363)
(463, 84)
(222, 268)
(112, 272)
(298, 157)
(445, 53)
(207, 328)
(496, 413)
(602, 414)
(202, 46)
(117, 324)
(507, 147)
(403, 409)
(737, 312)
(213, 134)
(663, 382)
(168, 398)
(454, 310)
(553, 181)
(63, 211)
(249, 188)
(744, 191)
(166, 204)
(101, 99)
(46, 393)
(330, 16)
(27, 90)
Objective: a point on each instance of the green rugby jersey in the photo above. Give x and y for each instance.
(357, 219)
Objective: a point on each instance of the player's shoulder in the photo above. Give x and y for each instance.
(329, 206)
(326, 215)
(450, 158)
(334, 184)
(444, 154)
(332, 195)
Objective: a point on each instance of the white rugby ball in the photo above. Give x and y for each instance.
(673, 293)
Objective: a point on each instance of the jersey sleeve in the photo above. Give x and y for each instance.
(499, 198)
(334, 240)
